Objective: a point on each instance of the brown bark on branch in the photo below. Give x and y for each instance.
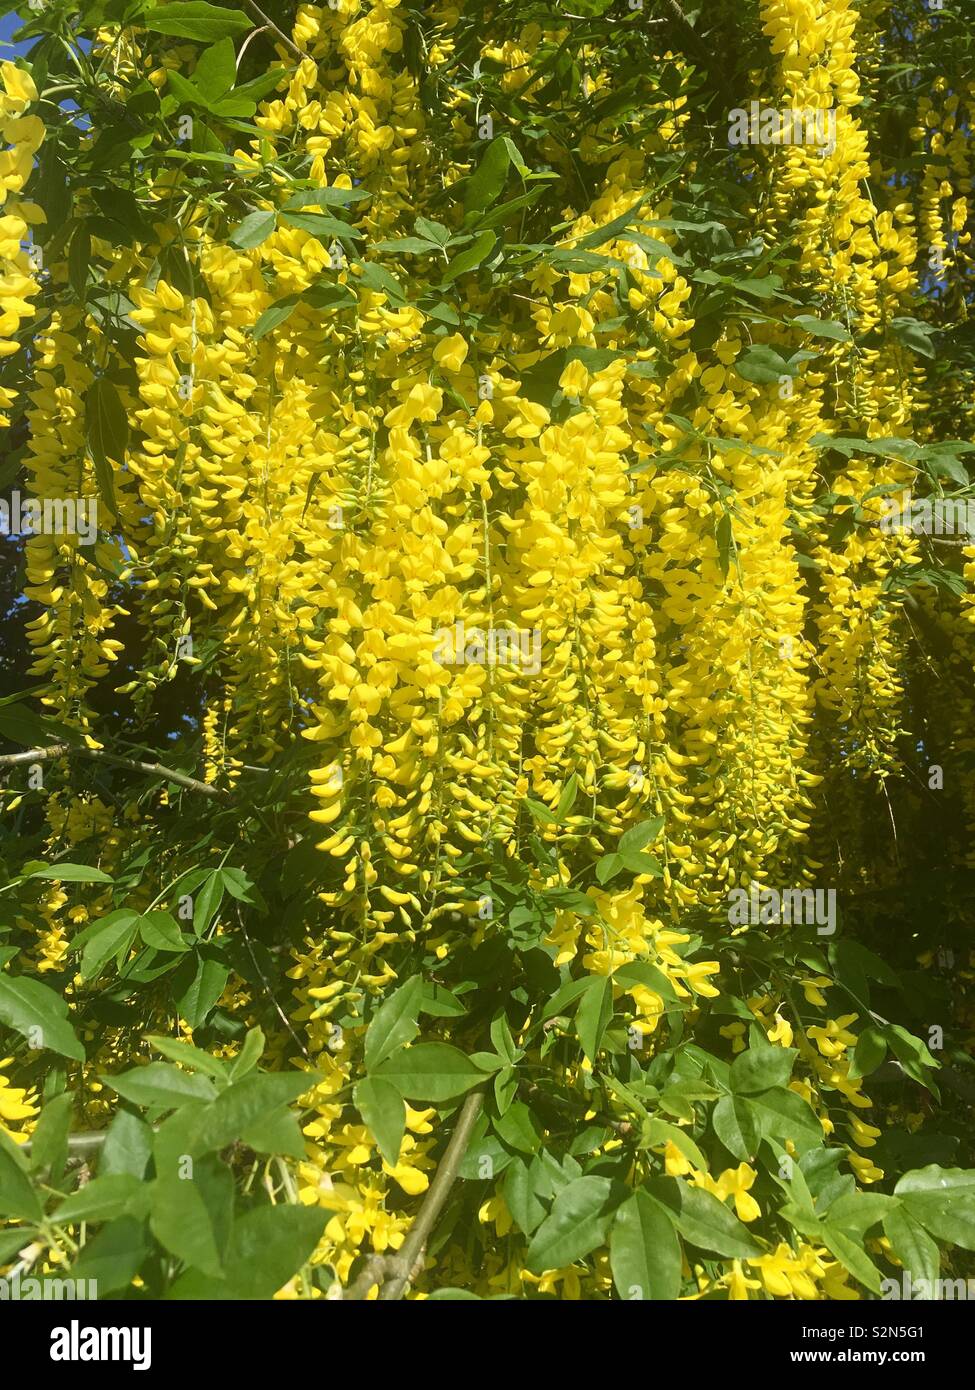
(395, 1273)
(67, 750)
(411, 1252)
(281, 36)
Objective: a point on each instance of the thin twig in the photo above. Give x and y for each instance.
(64, 750)
(77, 1143)
(282, 37)
(267, 986)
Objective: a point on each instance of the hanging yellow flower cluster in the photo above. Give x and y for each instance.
(480, 537)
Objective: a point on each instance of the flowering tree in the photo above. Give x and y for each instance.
(490, 779)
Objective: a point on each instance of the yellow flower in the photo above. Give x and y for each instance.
(450, 353)
(865, 1170)
(738, 1283)
(781, 1033)
(784, 1275)
(696, 976)
(18, 84)
(736, 1032)
(15, 1105)
(736, 1182)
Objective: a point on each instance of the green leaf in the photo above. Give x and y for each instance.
(377, 278)
(724, 538)
(207, 900)
(822, 328)
(915, 335)
(255, 228)
(709, 1224)
(641, 863)
(912, 1245)
(593, 1014)
(539, 812)
(277, 1133)
(483, 186)
(440, 1002)
(505, 1086)
(410, 244)
(503, 1041)
(72, 873)
(127, 1146)
(107, 430)
(576, 1225)
(112, 936)
(517, 1128)
(259, 87)
(434, 232)
(644, 1252)
(160, 1085)
(216, 70)
(431, 1072)
(381, 1107)
(269, 1245)
(781, 1114)
(17, 1195)
(471, 257)
(852, 1256)
(870, 1051)
(521, 1187)
(394, 1023)
(180, 1221)
(23, 726)
(607, 867)
(11, 1241)
(104, 1198)
(194, 19)
(275, 314)
(49, 1142)
(567, 797)
(855, 1212)
(943, 1201)
(185, 92)
(564, 996)
(246, 1103)
(239, 886)
(762, 365)
(611, 230)
(199, 983)
(761, 1068)
(641, 972)
(661, 1131)
(105, 926)
(39, 1015)
(114, 1257)
(161, 931)
(249, 1055)
(190, 1057)
(912, 1054)
(320, 225)
(325, 198)
(640, 835)
(736, 1126)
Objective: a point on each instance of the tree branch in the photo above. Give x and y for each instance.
(394, 1273)
(77, 1143)
(281, 36)
(64, 750)
(411, 1251)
